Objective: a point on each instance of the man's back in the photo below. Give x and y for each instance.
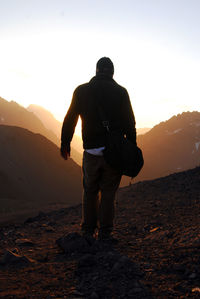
(113, 99)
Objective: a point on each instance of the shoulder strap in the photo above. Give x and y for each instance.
(101, 111)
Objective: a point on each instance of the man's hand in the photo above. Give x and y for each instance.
(65, 151)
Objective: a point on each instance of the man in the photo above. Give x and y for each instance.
(98, 176)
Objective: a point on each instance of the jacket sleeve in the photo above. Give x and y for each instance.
(128, 118)
(70, 121)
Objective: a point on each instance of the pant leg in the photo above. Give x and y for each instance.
(90, 200)
(109, 183)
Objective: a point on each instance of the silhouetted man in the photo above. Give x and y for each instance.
(98, 176)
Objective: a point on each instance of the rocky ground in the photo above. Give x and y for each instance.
(157, 254)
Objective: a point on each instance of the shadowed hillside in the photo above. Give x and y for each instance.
(33, 176)
(157, 256)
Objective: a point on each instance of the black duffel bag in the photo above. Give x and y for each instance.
(121, 154)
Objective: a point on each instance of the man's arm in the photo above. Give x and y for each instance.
(68, 126)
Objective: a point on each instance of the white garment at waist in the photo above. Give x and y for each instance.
(96, 151)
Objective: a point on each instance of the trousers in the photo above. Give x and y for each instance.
(100, 183)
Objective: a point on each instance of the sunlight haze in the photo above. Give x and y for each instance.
(50, 47)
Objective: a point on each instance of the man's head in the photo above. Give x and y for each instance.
(105, 66)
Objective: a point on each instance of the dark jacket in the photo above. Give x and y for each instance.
(115, 102)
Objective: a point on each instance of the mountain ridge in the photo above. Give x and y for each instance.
(13, 114)
(171, 146)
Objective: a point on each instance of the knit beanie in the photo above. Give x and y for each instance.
(105, 66)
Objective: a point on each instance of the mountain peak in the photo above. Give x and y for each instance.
(39, 109)
(171, 146)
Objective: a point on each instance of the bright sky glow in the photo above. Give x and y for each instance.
(47, 48)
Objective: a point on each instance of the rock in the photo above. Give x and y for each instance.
(122, 264)
(105, 272)
(87, 260)
(19, 235)
(24, 242)
(48, 228)
(11, 258)
(132, 293)
(192, 276)
(73, 243)
(196, 290)
(124, 259)
(77, 293)
(40, 216)
(94, 296)
(116, 267)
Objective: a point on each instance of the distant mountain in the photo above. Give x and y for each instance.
(55, 126)
(172, 146)
(13, 114)
(141, 131)
(33, 176)
(46, 118)
(41, 121)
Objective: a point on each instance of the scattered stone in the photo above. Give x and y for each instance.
(124, 259)
(197, 289)
(132, 293)
(19, 235)
(77, 293)
(39, 217)
(87, 260)
(11, 258)
(24, 242)
(48, 228)
(74, 243)
(192, 276)
(116, 267)
(44, 259)
(100, 271)
(103, 273)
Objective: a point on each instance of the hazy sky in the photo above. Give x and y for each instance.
(47, 48)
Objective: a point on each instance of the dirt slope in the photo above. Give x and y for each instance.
(157, 225)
